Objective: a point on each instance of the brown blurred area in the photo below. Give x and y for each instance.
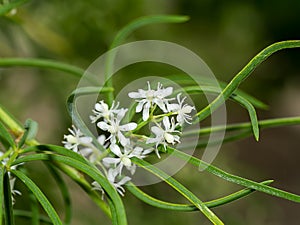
(225, 34)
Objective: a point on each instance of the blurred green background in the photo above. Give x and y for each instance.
(226, 34)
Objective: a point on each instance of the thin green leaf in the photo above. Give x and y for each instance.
(7, 7)
(144, 21)
(64, 192)
(252, 114)
(184, 80)
(2, 172)
(244, 73)
(52, 148)
(93, 173)
(40, 196)
(180, 188)
(8, 206)
(28, 215)
(137, 192)
(242, 101)
(6, 135)
(233, 178)
(42, 63)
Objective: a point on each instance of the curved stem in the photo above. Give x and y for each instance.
(244, 73)
(186, 207)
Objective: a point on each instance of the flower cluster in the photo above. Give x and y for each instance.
(123, 140)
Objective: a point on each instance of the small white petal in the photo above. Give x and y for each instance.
(109, 160)
(134, 95)
(132, 169)
(124, 180)
(86, 151)
(156, 130)
(146, 111)
(123, 140)
(103, 126)
(121, 114)
(161, 104)
(166, 122)
(173, 107)
(167, 91)
(140, 105)
(85, 140)
(116, 150)
(98, 107)
(128, 126)
(101, 139)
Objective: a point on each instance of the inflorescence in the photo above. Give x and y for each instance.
(122, 141)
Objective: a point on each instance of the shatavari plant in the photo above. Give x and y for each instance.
(156, 122)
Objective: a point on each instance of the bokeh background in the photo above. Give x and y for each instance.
(226, 34)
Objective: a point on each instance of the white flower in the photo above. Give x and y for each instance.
(102, 111)
(124, 158)
(164, 136)
(115, 129)
(75, 139)
(182, 110)
(147, 98)
(112, 175)
(91, 152)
